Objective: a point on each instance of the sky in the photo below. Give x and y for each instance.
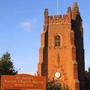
(21, 24)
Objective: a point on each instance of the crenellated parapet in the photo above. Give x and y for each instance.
(71, 14)
(59, 19)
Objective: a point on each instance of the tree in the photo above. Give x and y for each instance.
(88, 73)
(6, 65)
(87, 79)
(54, 85)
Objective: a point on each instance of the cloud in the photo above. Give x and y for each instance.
(27, 25)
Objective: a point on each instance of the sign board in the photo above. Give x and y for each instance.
(23, 82)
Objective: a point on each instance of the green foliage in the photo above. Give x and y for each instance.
(6, 65)
(54, 85)
(87, 79)
(87, 73)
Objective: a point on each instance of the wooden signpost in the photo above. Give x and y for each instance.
(23, 82)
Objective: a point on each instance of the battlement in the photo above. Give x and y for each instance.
(59, 19)
(62, 19)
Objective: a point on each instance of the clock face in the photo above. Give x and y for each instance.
(57, 74)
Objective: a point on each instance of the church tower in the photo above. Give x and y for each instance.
(61, 55)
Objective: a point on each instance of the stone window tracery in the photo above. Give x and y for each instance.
(57, 41)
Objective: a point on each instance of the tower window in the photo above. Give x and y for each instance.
(57, 41)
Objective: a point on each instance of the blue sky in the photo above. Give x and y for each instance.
(21, 23)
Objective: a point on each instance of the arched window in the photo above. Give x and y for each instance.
(57, 41)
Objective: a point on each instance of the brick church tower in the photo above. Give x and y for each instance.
(62, 52)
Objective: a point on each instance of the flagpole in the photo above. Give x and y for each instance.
(74, 0)
(57, 7)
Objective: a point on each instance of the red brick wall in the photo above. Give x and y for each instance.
(63, 59)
